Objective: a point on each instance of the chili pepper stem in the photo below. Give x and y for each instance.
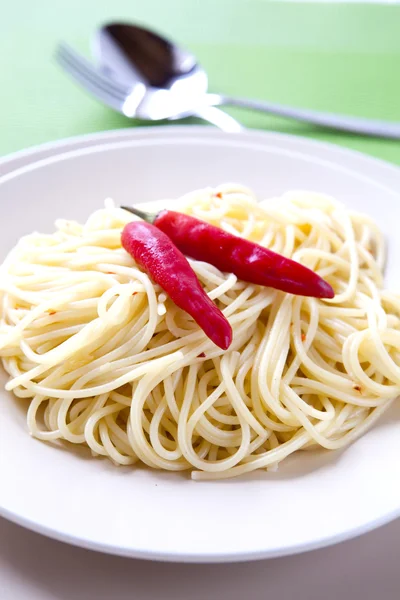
(148, 217)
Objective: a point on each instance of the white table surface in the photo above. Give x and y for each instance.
(36, 568)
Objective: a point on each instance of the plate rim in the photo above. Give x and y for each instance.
(101, 137)
(196, 558)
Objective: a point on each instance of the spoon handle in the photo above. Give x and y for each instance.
(377, 128)
(219, 118)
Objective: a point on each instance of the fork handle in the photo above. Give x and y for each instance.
(373, 127)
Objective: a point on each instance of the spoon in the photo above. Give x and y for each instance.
(166, 71)
(165, 80)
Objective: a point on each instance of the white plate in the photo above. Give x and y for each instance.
(316, 498)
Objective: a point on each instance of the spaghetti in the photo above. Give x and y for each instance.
(108, 361)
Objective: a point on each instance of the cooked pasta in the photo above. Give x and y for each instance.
(105, 359)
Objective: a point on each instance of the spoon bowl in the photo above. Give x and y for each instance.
(165, 79)
(129, 52)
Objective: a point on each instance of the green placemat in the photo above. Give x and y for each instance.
(336, 57)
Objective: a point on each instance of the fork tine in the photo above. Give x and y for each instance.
(79, 63)
(85, 65)
(88, 71)
(91, 86)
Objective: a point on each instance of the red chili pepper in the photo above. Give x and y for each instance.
(160, 258)
(232, 254)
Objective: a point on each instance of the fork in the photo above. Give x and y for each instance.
(124, 99)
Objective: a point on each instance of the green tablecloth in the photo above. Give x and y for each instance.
(335, 57)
